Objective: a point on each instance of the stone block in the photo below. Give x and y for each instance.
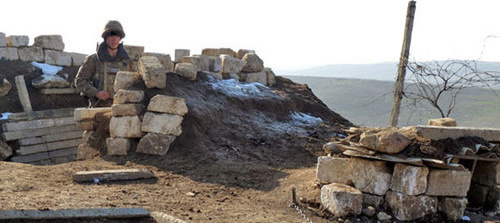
(128, 96)
(477, 195)
(453, 208)
(231, 65)
(9, 53)
(134, 52)
(410, 180)
(408, 208)
(168, 104)
(451, 122)
(259, 77)
(179, 54)
(242, 52)
(203, 62)
(215, 64)
(211, 52)
(164, 59)
(192, 60)
(334, 170)
(444, 132)
(3, 40)
(57, 58)
(125, 79)
(31, 54)
(341, 200)
(252, 63)
(50, 42)
(127, 109)
(5, 150)
(372, 200)
(371, 176)
(32, 149)
(5, 87)
(215, 75)
(448, 183)
(486, 173)
(186, 70)
(155, 144)
(271, 77)
(118, 146)
(226, 51)
(17, 41)
(84, 114)
(152, 72)
(386, 141)
(125, 127)
(77, 59)
(162, 123)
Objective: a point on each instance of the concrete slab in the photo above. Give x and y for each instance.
(45, 155)
(50, 138)
(73, 213)
(26, 150)
(444, 132)
(9, 136)
(53, 113)
(110, 175)
(37, 124)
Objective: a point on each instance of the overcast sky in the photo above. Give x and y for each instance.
(287, 34)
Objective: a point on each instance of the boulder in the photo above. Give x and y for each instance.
(125, 127)
(57, 58)
(125, 79)
(50, 81)
(50, 42)
(5, 87)
(179, 54)
(252, 63)
(271, 77)
(168, 105)
(259, 77)
(410, 180)
(408, 208)
(152, 72)
(186, 70)
(386, 141)
(134, 52)
(453, 208)
(31, 54)
(215, 64)
(127, 109)
(155, 144)
(9, 53)
(3, 40)
(231, 65)
(443, 122)
(118, 146)
(341, 200)
(128, 96)
(17, 41)
(164, 59)
(448, 182)
(211, 52)
(162, 123)
(242, 52)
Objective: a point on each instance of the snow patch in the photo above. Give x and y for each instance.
(234, 88)
(297, 124)
(5, 115)
(47, 68)
(302, 119)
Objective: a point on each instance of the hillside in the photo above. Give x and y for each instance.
(368, 103)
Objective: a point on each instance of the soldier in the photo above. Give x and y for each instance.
(96, 76)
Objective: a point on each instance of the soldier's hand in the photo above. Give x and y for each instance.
(103, 95)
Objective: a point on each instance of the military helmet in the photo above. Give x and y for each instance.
(113, 26)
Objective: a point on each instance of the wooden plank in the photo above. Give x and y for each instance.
(50, 138)
(10, 136)
(26, 150)
(109, 175)
(54, 113)
(45, 155)
(23, 93)
(74, 214)
(37, 124)
(59, 91)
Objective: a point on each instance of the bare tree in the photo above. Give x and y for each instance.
(440, 82)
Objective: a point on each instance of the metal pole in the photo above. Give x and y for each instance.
(403, 62)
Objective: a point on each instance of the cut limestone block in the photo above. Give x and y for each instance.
(371, 176)
(203, 62)
(45, 155)
(128, 96)
(226, 51)
(192, 60)
(252, 63)
(271, 77)
(242, 53)
(152, 71)
(258, 77)
(125, 127)
(162, 123)
(51, 42)
(333, 170)
(443, 122)
(186, 70)
(17, 41)
(57, 58)
(168, 105)
(31, 54)
(134, 52)
(127, 109)
(5, 150)
(386, 141)
(50, 138)
(410, 180)
(211, 52)
(448, 183)
(83, 114)
(407, 207)
(341, 200)
(125, 79)
(26, 150)
(487, 173)
(179, 54)
(36, 124)
(111, 175)
(5, 87)
(443, 132)
(9, 53)
(372, 200)
(3, 40)
(43, 114)
(215, 64)
(155, 144)
(9, 136)
(231, 65)
(72, 215)
(164, 59)
(118, 146)
(453, 208)
(77, 59)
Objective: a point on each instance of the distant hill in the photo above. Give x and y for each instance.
(368, 103)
